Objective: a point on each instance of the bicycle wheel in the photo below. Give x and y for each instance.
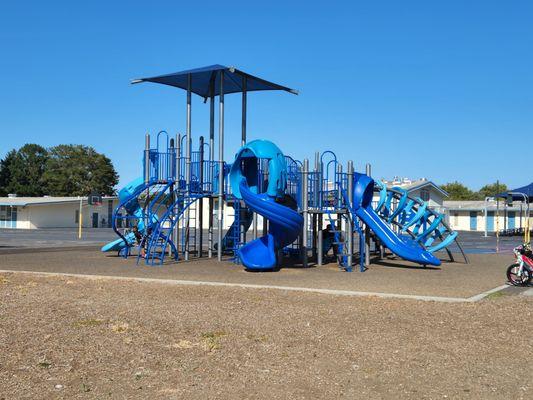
(512, 275)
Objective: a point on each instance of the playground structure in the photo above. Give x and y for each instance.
(162, 214)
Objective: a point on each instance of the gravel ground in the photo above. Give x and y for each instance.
(485, 272)
(74, 338)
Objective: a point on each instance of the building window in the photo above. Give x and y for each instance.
(8, 217)
(77, 216)
(424, 194)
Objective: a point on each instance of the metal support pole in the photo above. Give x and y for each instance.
(318, 182)
(486, 215)
(201, 205)
(265, 178)
(368, 171)
(339, 195)
(361, 250)
(172, 161)
(350, 222)
(320, 249)
(497, 218)
(220, 166)
(305, 173)
(146, 179)
(320, 243)
(80, 218)
(314, 237)
(188, 163)
(255, 222)
(211, 166)
(147, 158)
(244, 105)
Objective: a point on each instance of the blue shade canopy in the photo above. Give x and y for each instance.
(206, 78)
(527, 190)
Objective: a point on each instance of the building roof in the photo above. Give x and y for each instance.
(478, 205)
(34, 201)
(411, 185)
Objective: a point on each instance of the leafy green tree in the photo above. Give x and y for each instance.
(22, 170)
(77, 170)
(492, 190)
(5, 171)
(458, 191)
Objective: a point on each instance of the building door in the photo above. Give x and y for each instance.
(95, 220)
(473, 220)
(490, 221)
(511, 217)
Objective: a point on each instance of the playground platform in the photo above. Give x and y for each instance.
(386, 278)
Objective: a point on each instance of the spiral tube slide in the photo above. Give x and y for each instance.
(285, 223)
(402, 246)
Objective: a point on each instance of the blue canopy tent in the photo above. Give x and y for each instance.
(209, 82)
(520, 194)
(524, 194)
(205, 81)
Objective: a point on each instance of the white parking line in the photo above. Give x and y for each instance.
(336, 292)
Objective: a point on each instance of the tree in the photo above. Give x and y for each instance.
(77, 170)
(22, 170)
(492, 190)
(458, 191)
(5, 171)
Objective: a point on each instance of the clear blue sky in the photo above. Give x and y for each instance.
(442, 89)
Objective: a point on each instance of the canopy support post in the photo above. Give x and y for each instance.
(211, 165)
(188, 164)
(244, 105)
(220, 166)
(368, 171)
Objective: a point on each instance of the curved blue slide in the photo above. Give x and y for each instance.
(127, 197)
(285, 223)
(402, 246)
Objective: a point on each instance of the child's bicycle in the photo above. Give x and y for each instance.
(520, 273)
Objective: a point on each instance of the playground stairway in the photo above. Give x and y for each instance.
(158, 242)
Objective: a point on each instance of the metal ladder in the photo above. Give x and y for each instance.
(235, 237)
(191, 231)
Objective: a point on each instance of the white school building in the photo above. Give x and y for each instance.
(63, 212)
(485, 215)
(54, 212)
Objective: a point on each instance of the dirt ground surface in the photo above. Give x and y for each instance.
(485, 272)
(70, 338)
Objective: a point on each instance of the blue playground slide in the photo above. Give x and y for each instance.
(127, 197)
(403, 246)
(285, 223)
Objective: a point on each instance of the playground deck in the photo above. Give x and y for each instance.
(72, 337)
(394, 276)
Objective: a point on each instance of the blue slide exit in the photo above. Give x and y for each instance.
(285, 223)
(403, 246)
